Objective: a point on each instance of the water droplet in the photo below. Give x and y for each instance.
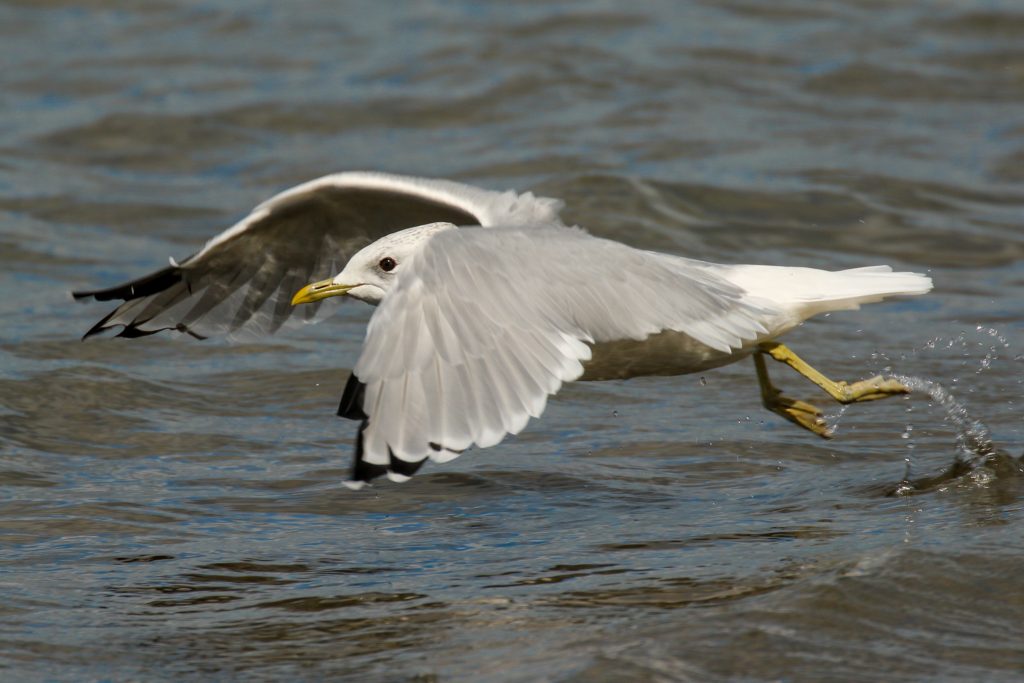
(904, 489)
(973, 437)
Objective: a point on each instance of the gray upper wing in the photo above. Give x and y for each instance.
(244, 278)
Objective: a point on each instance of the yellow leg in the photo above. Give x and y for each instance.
(805, 414)
(799, 412)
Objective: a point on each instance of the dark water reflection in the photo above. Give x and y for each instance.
(171, 510)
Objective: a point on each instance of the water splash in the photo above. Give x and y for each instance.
(977, 456)
(973, 437)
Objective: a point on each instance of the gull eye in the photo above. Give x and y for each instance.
(387, 264)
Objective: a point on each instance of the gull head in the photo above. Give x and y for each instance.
(370, 273)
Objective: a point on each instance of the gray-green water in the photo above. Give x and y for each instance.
(171, 510)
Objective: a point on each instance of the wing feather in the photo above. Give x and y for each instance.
(483, 325)
(243, 279)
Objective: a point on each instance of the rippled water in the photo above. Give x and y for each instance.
(171, 510)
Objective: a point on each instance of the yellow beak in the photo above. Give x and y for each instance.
(319, 290)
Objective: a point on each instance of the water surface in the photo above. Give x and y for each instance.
(172, 510)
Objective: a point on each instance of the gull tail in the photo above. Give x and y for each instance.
(848, 289)
(806, 292)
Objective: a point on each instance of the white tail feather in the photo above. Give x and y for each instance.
(805, 292)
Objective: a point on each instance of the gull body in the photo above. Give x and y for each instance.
(485, 311)
(777, 298)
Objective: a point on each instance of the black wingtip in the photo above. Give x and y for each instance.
(363, 472)
(154, 283)
(404, 467)
(93, 331)
(99, 327)
(133, 332)
(184, 329)
(144, 286)
(351, 406)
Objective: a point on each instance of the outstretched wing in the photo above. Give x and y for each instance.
(484, 325)
(244, 278)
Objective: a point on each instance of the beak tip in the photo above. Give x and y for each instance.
(317, 291)
(301, 296)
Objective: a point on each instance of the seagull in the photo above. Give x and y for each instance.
(486, 303)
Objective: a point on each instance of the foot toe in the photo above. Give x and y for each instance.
(803, 414)
(873, 389)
